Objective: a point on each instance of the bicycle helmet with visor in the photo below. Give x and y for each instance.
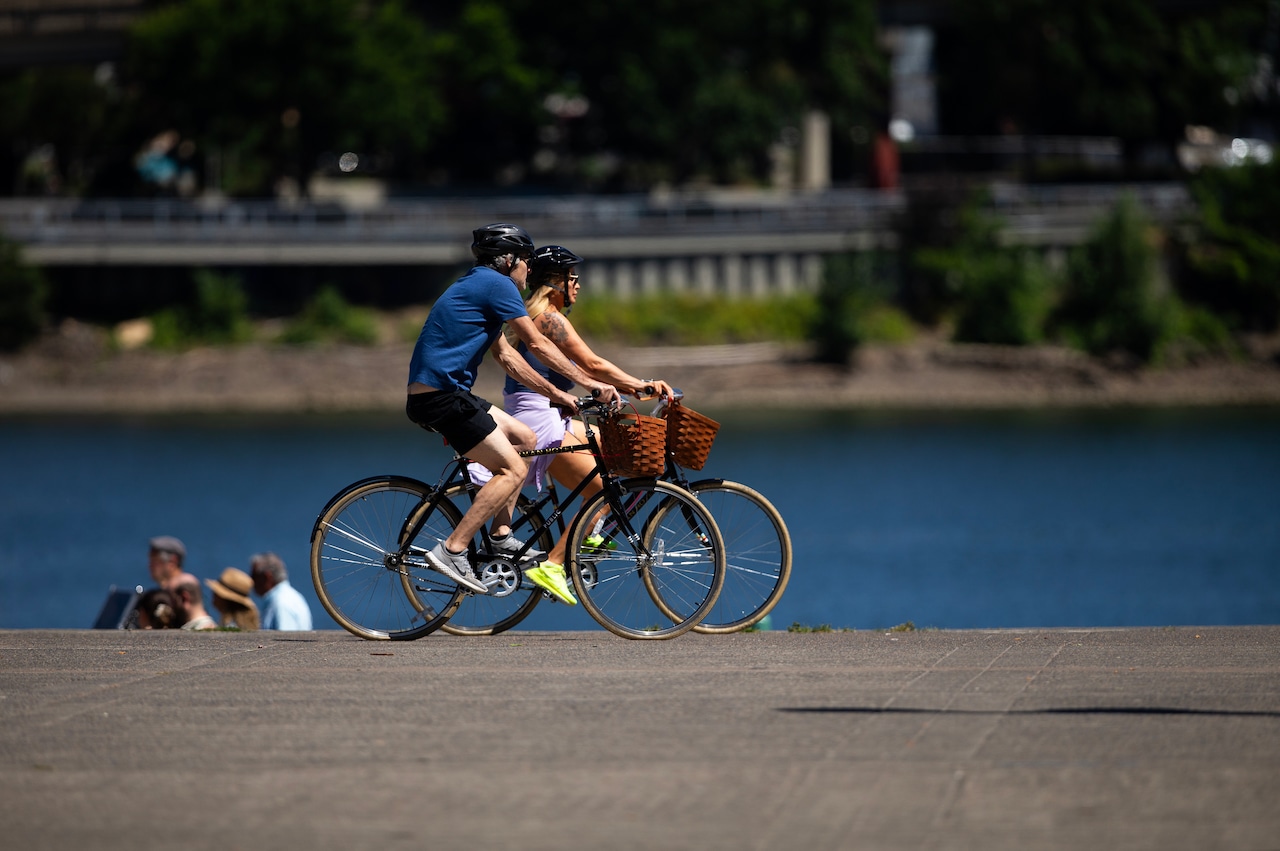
(498, 239)
(550, 260)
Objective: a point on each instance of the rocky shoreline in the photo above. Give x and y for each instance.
(74, 372)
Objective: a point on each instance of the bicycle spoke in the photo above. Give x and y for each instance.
(757, 554)
(361, 566)
(660, 566)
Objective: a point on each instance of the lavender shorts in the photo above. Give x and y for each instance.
(547, 422)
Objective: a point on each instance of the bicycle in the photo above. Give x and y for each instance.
(757, 544)
(643, 568)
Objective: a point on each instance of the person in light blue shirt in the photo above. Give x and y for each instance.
(283, 607)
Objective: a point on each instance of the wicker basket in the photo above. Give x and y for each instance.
(689, 436)
(634, 445)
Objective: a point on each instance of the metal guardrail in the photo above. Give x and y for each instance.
(49, 220)
(438, 230)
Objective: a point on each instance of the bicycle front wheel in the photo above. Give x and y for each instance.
(367, 559)
(649, 564)
(757, 553)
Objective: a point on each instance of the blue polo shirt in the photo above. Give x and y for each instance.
(462, 325)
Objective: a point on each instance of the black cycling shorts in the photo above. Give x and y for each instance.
(463, 419)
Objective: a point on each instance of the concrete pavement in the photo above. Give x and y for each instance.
(1045, 739)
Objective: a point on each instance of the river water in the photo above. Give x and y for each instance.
(948, 520)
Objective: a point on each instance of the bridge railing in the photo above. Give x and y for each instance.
(46, 221)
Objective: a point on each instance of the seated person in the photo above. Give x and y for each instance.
(165, 556)
(231, 599)
(283, 607)
(156, 610)
(189, 601)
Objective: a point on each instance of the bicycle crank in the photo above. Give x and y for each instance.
(500, 576)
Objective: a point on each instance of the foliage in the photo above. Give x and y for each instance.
(799, 627)
(329, 318)
(464, 92)
(852, 306)
(60, 123)
(1112, 301)
(1232, 266)
(699, 91)
(275, 87)
(23, 292)
(1196, 333)
(886, 323)
(1124, 68)
(998, 295)
(685, 319)
(489, 81)
(218, 316)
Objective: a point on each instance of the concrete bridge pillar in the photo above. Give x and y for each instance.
(624, 280)
(704, 275)
(677, 275)
(732, 276)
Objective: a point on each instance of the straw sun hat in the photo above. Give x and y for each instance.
(234, 585)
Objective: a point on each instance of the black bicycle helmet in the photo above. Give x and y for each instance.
(550, 260)
(498, 239)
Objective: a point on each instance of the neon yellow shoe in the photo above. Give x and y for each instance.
(550, 577)
(597, 542)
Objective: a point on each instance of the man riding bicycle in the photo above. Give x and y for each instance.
(464, 323)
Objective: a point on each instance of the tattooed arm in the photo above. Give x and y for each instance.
(557, 328)
(550, 354)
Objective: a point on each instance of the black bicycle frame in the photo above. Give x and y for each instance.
(453, 475)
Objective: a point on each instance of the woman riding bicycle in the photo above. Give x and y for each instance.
(553, 288)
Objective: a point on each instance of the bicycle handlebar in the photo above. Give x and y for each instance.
(590, 404)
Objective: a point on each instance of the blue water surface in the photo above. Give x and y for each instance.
(1000, 519)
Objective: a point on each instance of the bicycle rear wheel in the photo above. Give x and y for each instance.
(651, 572)
(511, 598)
(367, 559)
(757, 551)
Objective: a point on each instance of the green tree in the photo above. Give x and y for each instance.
(997, 294)
(1232, 263)
(699, 91)
(328, 317)
(1113, 301)
(1134, 69)
(279, 88)
(61, 124)
(852, 295)
(490, 80)
(218, 315)
(23, 292)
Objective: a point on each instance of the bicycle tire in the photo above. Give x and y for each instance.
(757, 550)
(495, 612)
(619, 582)
(369, 577)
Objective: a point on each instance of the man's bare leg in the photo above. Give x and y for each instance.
(497, 498)
(522, 439)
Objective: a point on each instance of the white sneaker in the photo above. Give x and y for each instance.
(510, 545)
(456, 567)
